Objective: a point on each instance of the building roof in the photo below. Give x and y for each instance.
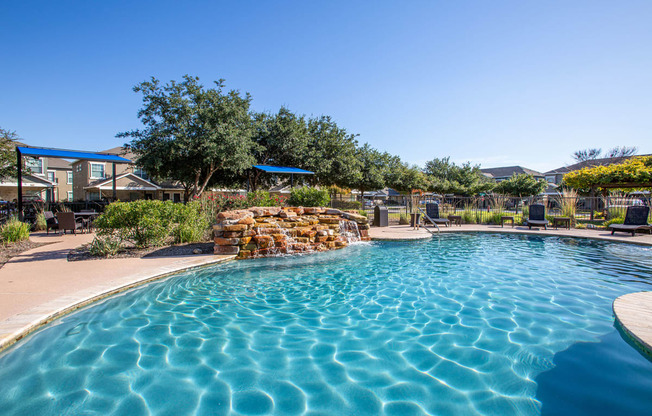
(590, 163)
(54, 163)
(509, 171)
(108, 182)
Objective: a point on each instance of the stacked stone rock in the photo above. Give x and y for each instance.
(268, 231)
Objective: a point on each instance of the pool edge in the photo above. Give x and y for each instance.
(36, 320)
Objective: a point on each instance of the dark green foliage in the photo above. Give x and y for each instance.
(152, 223)
(191, 133)
(448, 178)
(521, 185)
(7, 154)
(309, 197)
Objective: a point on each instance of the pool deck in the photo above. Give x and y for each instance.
(40, 285)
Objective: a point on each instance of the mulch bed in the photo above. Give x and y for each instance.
(7, 251)
(82, 252)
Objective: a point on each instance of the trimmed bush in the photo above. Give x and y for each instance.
(309, 197)
(347, 204)
(143, 223)
(14, 230)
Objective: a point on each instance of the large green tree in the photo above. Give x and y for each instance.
(448, 178)
(8, 153)
(373, 169)
(521, 185)
(280, 139)
(331, 153)
(191, 132)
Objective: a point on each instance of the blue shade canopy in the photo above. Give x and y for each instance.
(283, 169)
(70, 154)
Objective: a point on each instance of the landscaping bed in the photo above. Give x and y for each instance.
(9, 250)
(83, 253)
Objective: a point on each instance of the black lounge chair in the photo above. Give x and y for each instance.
(537, 216)
(432, 210)
(635, 219)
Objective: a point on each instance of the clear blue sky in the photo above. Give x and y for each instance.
(494, 82)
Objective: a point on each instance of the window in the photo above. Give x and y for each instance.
(97, 170)
(69, 179)
(51, 176)
(78, 168)
(141, 173)
(35, 165)
(70, 195)
(93, 196)
(550, 179)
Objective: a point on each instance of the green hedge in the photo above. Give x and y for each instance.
(152, 223)
(309, 197)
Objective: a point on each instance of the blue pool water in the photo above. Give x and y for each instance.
(460, 325)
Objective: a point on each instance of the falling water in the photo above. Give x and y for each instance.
(349, 230)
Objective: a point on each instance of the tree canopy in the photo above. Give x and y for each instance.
(631, 174)
(447, 178)
(521, 185)
(8, 153)
(192, 132)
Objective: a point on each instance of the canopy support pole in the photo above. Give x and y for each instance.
(19, 166)
(291, 180)
(115, 188)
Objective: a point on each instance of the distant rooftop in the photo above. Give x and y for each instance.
(509, 171)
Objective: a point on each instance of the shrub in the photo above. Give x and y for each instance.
(363, 213)
(347, 204)
(104, 246)
(143, 223)
(495, 218)
(403, 219)
(191, 223)
(14, 230)
(309, 197)
(468, 217)
(40, 224)
(614, 220)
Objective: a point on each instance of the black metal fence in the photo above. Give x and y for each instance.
(30, 209)
(490, 209)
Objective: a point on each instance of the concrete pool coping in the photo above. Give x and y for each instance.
(40, 285)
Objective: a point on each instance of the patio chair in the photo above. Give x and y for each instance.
(432, 210)
(67, 222)
(50, 221)
(537, 216)
(635, 219)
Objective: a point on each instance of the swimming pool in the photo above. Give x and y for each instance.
(462, 324)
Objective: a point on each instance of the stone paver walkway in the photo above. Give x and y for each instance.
(40, 284)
